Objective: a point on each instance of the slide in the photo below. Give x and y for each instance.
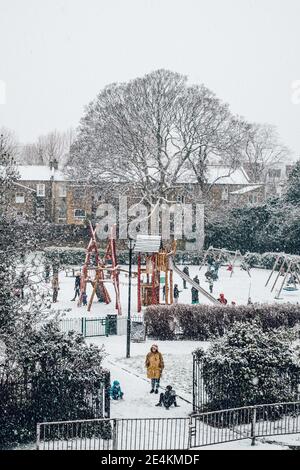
(190, 281)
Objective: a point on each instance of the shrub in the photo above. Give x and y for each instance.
(54, 377)
(205, 322)
(250, 366)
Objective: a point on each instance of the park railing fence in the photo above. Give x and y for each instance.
(24, 401)
(204, 429)
(92, 327)
(203, 384)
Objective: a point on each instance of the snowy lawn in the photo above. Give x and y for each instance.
(236, 288)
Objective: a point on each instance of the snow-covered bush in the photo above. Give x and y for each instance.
(205, 322)
(250, 366)
(51, 376)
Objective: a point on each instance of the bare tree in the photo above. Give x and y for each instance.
(52, 146)
(154, 133)
(262, 151)
(9, 143)
(8, 171)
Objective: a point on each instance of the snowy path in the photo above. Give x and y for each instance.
(138, 402)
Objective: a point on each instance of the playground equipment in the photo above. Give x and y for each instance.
(94, 268)
(214, 257)
(194, 284)
(155, 266)
(288, 267)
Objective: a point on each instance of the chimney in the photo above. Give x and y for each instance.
(53, 164)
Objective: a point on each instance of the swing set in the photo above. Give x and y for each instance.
(216, 256)
(288, 266)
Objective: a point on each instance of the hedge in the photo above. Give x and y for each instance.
(75, 256)
(204, 322)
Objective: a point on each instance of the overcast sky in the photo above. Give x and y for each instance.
(56, 55)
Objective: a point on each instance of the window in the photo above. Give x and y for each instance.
(62, 191)
(225, 194)
(40, 189)
(20, 199)
(79, 214)
(253, 199)
(274, 173)
(180, 199)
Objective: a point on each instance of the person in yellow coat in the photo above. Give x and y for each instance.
(155, 365)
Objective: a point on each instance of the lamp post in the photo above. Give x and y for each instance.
(129, 299)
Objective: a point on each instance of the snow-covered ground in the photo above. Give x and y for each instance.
(131, 373)
(236, 288)
(138, 402)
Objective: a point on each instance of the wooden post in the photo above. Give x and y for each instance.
(166, 287)
(171, 287)
(153, 279)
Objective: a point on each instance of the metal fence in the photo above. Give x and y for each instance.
(245, 423)
(91, 327)
(28, 400)
(115, 434)
(209, 390)
(171, 433)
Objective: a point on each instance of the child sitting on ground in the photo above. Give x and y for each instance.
(168, 398)
(115, 391)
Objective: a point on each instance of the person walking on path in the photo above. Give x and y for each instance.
(176, 294)
(195, 292)
(187, 272)
(55, 288)
(76, 287)
(155, 365)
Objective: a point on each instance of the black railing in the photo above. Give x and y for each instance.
(201, 430)
(211, 393)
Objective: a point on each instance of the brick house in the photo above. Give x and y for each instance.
(46, 192)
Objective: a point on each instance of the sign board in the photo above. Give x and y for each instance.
(138, 332)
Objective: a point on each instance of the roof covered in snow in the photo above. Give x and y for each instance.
(215, 174)
(147, 244)
(246, 190)
(39, 173)
(218, 174)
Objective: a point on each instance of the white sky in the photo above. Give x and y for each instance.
(56, 55)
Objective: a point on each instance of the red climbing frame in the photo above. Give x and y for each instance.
(101, 266)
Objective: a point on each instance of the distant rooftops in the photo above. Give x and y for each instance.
(216, 174)
(40, 173)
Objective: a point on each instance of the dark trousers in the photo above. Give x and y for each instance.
(155, 383)
(77, 292)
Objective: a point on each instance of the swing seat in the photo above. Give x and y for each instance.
(290, 289)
